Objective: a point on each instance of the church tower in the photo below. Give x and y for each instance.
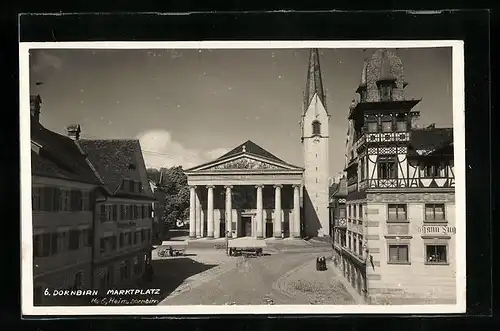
(314, 125)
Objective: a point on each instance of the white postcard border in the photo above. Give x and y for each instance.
(458, 84)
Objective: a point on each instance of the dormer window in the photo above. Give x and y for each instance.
(363, 95)
(316, 128)
(386, 93)
(386, 126)
(402, 125)
(372, 126)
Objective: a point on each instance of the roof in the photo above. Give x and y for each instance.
(251, 148)
(248, 148)
(431, 138)
(59, 157)
(340, 189)
(314, 84)
(115, 160)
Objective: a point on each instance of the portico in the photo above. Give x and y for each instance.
(247, 192)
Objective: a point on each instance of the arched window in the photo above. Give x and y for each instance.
(316, 127)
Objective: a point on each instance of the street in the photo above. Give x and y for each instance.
(276, 278)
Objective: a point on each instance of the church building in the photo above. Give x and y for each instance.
(250, 192)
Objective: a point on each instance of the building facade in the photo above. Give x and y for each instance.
(246, 192)
(339, 220)
(123, 222)
(64, 187)
(399, 242)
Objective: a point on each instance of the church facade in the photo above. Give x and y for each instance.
(250, 192)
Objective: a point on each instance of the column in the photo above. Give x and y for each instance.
(210, 212)
(295, 229)
(229, 211)
(192, 211)
(258, 217)
(199, 224)
(277, 211)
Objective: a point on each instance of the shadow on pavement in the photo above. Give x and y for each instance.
(170, 273)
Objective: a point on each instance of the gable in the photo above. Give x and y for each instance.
(250, 147)
(244, 162)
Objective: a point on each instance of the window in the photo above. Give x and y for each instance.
(386, 126)
(124, 270)
(103, 213)
(342, 212)
(102, 245)
(131, 186)
(114, 212)
(434, 212)
(396, 212)
(129, 235)
(141, 188)
(354, 244)
(85, 200)
(398, 254)
(349, 240)
(37, 246)
(360, 245)
(401, 125)
(137, 266)
(385, 93)
(47, 199)
(74, 240)
(78, 280)
(65, 202)
(36, 198)
(87, 238)
(54, 243)
(354, 211)
(123, 212)
(434, 170)
(436, 254)
(45, 240)
(362, 168)
(113, 242)
(360, 212)
(76, 200)
(387, 167)
(122, 238)
(372, 126)
(316, 128)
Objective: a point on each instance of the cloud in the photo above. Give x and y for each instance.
(43, 61)
(160, 150)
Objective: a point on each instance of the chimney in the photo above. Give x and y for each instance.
(35, 105)
(74, 131)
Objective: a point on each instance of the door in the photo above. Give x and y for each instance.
(246, 226)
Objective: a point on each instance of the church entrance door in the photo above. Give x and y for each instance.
(246, 226)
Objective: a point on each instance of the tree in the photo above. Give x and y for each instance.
(174, 184)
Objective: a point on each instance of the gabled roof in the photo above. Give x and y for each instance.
(253, 149)
(115, 160)
(59, 157)
(248, 149)
(431, 139)
(314, 84)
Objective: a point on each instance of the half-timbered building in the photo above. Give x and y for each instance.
(400, 193)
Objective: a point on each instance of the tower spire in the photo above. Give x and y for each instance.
(314, 83)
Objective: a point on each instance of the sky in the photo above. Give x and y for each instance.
(189, 106)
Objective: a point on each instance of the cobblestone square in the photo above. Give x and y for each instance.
(278, 277)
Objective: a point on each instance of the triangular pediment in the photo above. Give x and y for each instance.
(244, 162)
(248, 156)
